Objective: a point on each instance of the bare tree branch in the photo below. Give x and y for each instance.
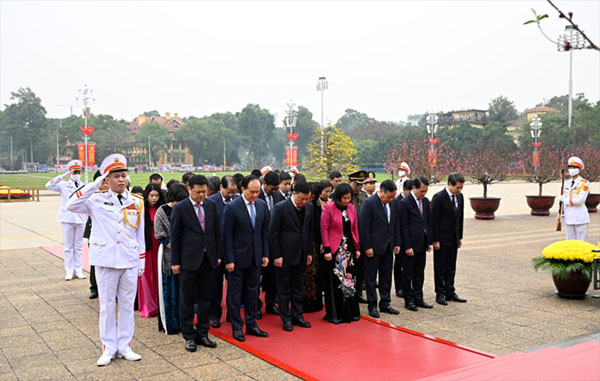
(569, 18)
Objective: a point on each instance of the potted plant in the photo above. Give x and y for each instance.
(485, 166)
(570, 263)
(591, 172)
(542, 168)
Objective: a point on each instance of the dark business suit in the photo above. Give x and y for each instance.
(415, 235)
(291, 238)
(447, 220)
(217, 297)
(198, 252)
(269, 284)
(380, 235)
(244, 245)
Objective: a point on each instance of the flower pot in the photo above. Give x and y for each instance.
(485, 207)
(573, 287)
(540, 205)
(592, 201)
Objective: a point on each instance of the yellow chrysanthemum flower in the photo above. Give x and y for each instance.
(571, 250)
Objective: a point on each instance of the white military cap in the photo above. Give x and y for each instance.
(113, 163)
(574, 160)
(74, 165)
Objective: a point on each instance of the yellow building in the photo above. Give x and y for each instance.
(539, 111)
(476, 118)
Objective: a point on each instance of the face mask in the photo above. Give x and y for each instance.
(401, 173)
(75, 177)
(573, 172)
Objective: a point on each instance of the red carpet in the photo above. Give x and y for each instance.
(367, 349)
(58, 251)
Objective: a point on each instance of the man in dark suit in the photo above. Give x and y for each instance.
(447, 218)
(290, 235)
(405, 191)
(269, 193)
(414, 215)
(196, 250)
(246, 246)
(284, 187)
(227, 192)
(379, 237)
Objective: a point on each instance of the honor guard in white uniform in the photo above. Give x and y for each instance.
(73, 224)
(575, 193)
(403, 172)
(117, 250)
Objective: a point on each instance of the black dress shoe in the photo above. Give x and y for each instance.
(215, 323)
(455, 298)
(190, 346)
(300, 322)
(441, 300)
(411, 306)
(389, 310)
(374, 313)
(205, 342)
(423, 304)
(255, 331)
(287, 326)
(238, 335)
(93, 294)
(362, 300)
(258, 315)
(400, 294)
(272, 309)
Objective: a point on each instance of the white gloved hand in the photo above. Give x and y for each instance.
(141, 266)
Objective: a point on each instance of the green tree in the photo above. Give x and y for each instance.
(151, 113)
(561, 102)
(155, 135)
(338, 153)
(304, 127)
(205, 138)
(25, 121)
(367, 152)
(256, 128)
(502, 110)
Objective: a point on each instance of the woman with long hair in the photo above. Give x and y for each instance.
(339, 234)
(148, 282)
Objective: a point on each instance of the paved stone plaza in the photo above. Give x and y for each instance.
(49, 328)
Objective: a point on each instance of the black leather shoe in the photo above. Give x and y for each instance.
(411, 306)
(190, 346)
(258, 315)
(400, 294)
(362, 300)
(272, 309)
(423, 304)
(215, 323)
(300, 322)
(93, 294)
(374, 313)
(287, 326)
(238, 335)
(255, 331)
(205, 342)
(455, 298)
(389, 310)
(441, 300)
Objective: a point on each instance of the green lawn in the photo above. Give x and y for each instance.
(39, 180)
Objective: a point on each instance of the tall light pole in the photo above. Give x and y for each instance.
(86, 99)
(567, 42)
(290, 122)
(536, 133)
(59, 124)
(322, 85)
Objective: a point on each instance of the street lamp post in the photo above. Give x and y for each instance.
(322, 85)
(536, 133)
(567, 42)
(290, 122)
(432, 128)
(85, 99)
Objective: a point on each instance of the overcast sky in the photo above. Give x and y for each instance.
(387, 59)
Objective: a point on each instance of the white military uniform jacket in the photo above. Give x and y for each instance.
(66, 189)
(573, 199)
(117, 238)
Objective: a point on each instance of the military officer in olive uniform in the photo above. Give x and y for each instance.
(117, 248)
(355, 180)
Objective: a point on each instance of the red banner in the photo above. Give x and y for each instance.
(91, 154)
(535, 159)
(291, 157)
(432, 159)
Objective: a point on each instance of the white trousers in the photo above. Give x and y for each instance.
(73, 246)
(112, 284)
(577, 231)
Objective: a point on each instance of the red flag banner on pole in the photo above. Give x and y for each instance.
(91, 155)
(294, 157)
(288, 157)
(81, 152)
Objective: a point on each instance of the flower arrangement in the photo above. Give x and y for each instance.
(343, 260)
(565, 257)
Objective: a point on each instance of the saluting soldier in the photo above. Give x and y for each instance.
(117, 251)
(73, 224)
(575, 193)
